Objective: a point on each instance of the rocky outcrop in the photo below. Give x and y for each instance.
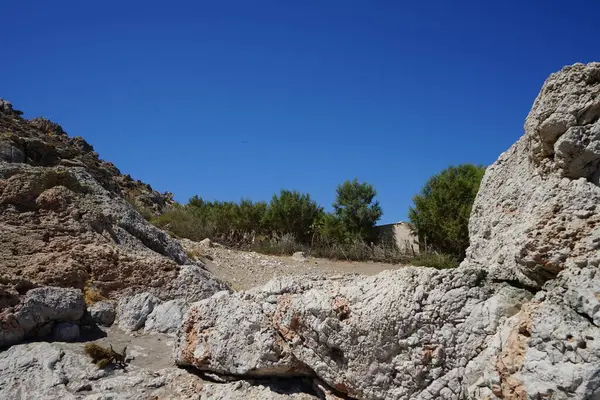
(35, 314)
(65, 220)
(148, 312)
(399, 334)
(41, 142)
(519, 319)
(134, 310)
(166, 317)
(535, 223)
(61, 371)
(102, 313)
(538, 206)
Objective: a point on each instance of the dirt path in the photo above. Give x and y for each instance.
(244, 270)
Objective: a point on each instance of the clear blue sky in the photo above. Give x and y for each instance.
(230, 99)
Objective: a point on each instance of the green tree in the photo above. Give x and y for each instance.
(292, 212)
(229, 221)
(441, 211)
(250, 216)
(356, 209)
(328, 229)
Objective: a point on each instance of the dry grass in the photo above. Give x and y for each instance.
(91, 294)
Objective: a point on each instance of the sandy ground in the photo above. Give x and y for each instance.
(244, 270)
(152, 352)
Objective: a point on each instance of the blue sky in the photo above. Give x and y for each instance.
(236, 99)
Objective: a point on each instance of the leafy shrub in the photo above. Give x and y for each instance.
(293, 213)
(328, 229)
(179, 221)
(359, 250)
(225, 222)
(144, 211)
(291, 222)
(441, 211)
(284, 245)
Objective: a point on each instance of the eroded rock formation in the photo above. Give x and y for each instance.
(65, 223)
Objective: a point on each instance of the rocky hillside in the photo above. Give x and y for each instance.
(519, 319)
(65, 220)
(40, 142)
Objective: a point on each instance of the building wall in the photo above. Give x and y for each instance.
(405, 239)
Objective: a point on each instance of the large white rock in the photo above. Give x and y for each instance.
(401, 334)
(536, 223)
(539, 204)
(102, 312)
(166, 317)
(133, 311)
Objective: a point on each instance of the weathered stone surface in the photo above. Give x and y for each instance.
(299, 256)
(65, 332)
(103, 313)
(247, 390)
(193, 283)
(6, 107)
(393, 335)
(226, 334)
(535, 223)
(133, 311)
(8, 297)
(539, 205)
(550, 348)
(36, 312)
(206, 242)
(166, 317)
(42, 142)
(59, 371)
(67, 218)
(50, 303)
(147, 311)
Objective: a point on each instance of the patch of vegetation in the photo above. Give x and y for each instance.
(289, 222)
(102, 356)
(356, 250)
(91, 294)
(441, 211)
(356, 211)
(183, 222)
(144, 211)
(292, 213)
(292, 221)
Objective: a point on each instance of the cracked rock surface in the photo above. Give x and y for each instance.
(61, 371)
